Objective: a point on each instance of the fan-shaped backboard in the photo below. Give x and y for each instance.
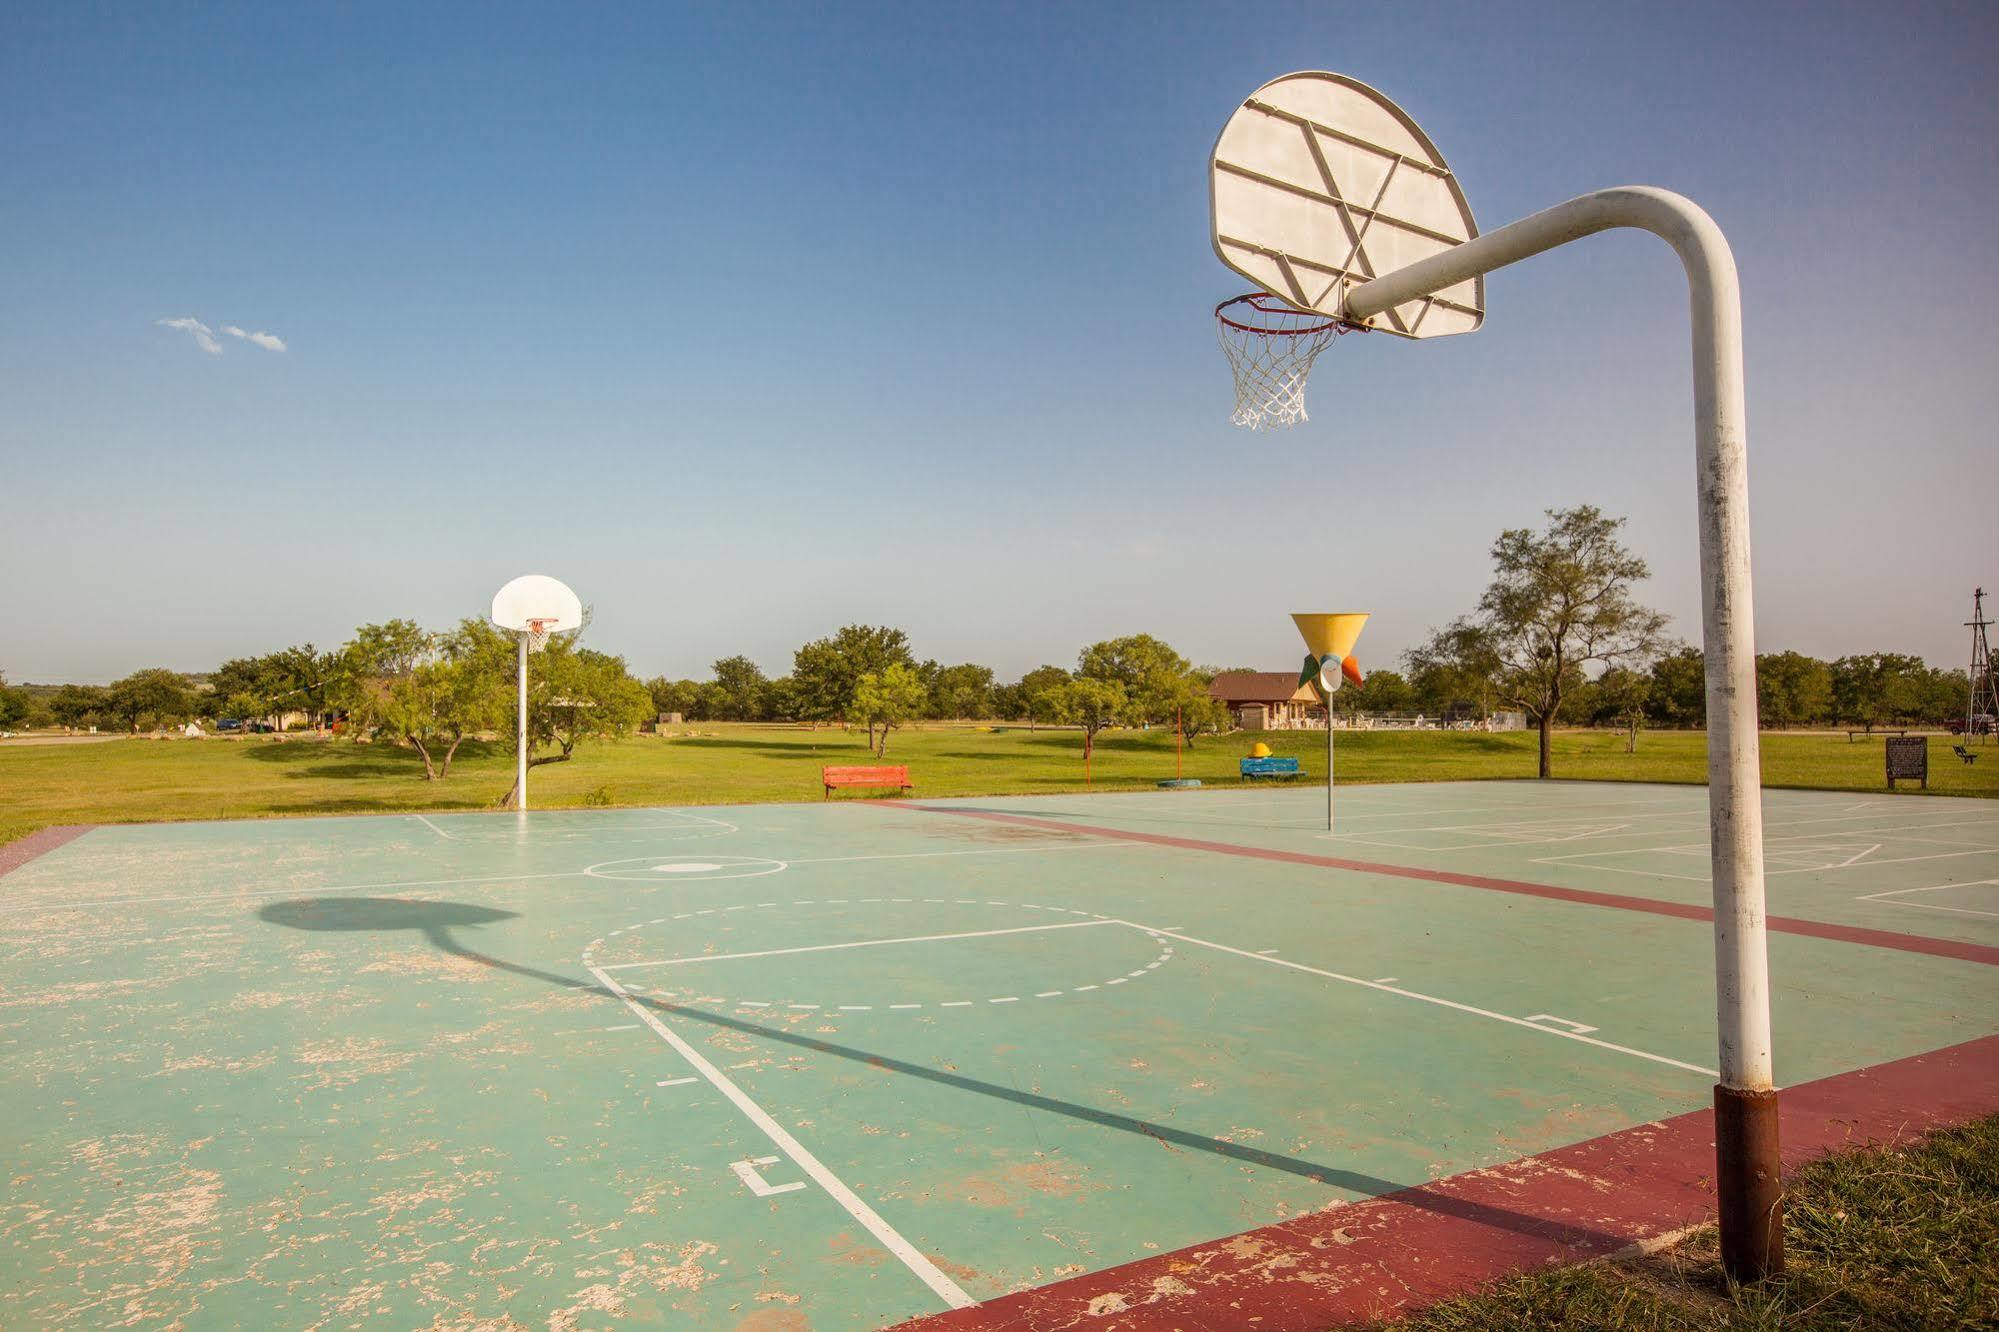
(1320, 183)
(537, 597)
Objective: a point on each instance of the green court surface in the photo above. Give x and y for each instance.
(838, 1064)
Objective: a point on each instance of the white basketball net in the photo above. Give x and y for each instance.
(1271, 347)
(537, 634)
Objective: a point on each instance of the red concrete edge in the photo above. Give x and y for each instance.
(1854, 934)
(39, 843)
(1405, 1250)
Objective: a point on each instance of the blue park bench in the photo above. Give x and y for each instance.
(1269, 767)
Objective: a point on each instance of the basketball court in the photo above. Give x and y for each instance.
(845, 1063)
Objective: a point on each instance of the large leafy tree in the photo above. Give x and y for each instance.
(963, 692)
(371, 663)
(306, 680)
(1792, 689)
(1560, 601)
(826, 670)
(1025, 696)
(454, 691)
(1877, 688)
(1152, 675)
(674, 696)
(1385, 691)
(885, 699)
(574, 693)
(1678, 696)
(13, 703)
(76, 705)
(1091, 705)
(157, 696)
(1457, 669)
(1618, 697)
(744, 689)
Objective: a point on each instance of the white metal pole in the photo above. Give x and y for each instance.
(521, 735)
(1329, 762)
(1745, 1101)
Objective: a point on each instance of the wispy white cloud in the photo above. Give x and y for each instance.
(203, 335)
(268, 341)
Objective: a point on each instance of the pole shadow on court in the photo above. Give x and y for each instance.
(435, 921)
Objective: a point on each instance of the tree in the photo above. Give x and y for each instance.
(306, 679)
(963, 692)
(158, 695)
(1619, 696)
(1385, 691)
(574, 694)
(1151, 673)
(250, 687)
(374, 659)
(885, 699)
(442, 701)
(1090, 704)
(1679, 688)
(1792, 689)
(13, 703)
(80, 705)
(1879, 687)
(1194, 711)
(743, 689)
(1560, 601)
(826, 670)
(673, 696)
(1457, 669)
(1032, 686)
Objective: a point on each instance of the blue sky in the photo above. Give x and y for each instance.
(749, 322)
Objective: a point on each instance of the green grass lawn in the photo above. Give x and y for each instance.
(1877, 1239)
(144, 780)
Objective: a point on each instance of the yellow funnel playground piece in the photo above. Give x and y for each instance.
(1330, 639)
(1331, 635)
(1259, 750)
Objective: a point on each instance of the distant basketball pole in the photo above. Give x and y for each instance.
(1318, 184)
(531, 608)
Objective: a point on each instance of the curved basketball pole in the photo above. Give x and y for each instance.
(1748, 1172)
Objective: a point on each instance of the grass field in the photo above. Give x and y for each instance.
(147, 780)
(1903, 1238)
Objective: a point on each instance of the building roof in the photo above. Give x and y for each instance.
(1260, 687)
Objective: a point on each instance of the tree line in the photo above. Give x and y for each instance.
(1558, 635)
(868, 676)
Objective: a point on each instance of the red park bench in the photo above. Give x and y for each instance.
(896, 775)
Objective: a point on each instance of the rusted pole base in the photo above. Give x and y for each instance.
(1749, 1180)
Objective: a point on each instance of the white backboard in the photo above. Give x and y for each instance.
(1319, 183)
(537, 597)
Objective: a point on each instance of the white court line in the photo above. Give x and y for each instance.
(301, 893)
(1093, 845)
(434, 828)
(925, 1270)
(1425, 998)
(1930, 906)
(857, 943)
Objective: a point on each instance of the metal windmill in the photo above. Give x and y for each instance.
(1981, 712)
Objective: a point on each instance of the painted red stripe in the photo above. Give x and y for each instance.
(1402, 1251)
(1815, 929)
(39, 843)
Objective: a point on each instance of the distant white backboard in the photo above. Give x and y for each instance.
(537, 597)
(1319, 183)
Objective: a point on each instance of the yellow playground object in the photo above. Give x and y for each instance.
(1259, 750)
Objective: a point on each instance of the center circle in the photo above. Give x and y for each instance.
(664, 979)
(645, 869)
